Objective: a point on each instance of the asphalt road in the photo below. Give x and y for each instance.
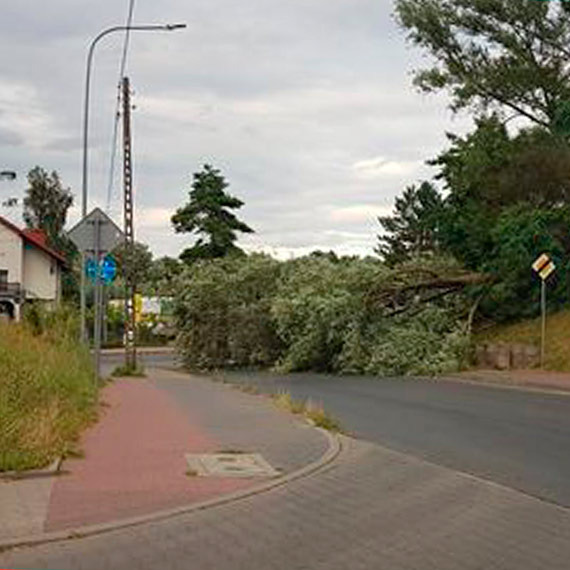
(110, 361)
(515, 438)
(519, 439)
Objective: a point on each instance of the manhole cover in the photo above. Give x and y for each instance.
(230, 465)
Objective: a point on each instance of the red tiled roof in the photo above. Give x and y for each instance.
(35, 237)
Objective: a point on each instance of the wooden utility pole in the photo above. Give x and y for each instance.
(130, 285)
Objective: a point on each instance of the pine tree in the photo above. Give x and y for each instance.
(208, 215)
(412, 230)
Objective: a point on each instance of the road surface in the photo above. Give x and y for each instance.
(516, 438)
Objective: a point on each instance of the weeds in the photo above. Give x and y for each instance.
(284, 400)
(316, 414)
(248, 388)
(47, 394)
(128, 370)
(321, 418)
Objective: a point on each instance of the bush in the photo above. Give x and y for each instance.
(47, 390)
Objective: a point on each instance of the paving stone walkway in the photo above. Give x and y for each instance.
(372, 508)
(134, 461)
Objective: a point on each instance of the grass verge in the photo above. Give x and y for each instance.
(47, 396)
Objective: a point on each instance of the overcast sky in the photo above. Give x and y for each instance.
(306, 106)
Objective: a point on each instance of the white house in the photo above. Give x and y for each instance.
(29, 269)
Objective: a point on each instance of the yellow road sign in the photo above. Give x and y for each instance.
(540, 262)
(547, 270)
(544, 266)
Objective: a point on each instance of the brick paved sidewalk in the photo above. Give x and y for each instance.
(371, 509)
(134, 460)
(540, 379)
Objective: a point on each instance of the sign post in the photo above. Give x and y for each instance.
(544, 266)
(97, 234)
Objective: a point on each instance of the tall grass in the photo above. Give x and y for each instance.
(47, 391)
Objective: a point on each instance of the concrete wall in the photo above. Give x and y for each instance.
(11, 254)
(41, 274)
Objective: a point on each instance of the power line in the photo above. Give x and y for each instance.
(115, 136)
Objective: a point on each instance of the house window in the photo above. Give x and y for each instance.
(3, 278)
(52, 269)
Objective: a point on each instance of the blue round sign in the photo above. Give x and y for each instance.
(91, 268)
(108, 269)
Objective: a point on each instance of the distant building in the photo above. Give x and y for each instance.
(29, 269)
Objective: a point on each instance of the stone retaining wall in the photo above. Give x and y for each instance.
(507, 356)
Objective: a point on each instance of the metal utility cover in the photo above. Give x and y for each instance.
(83, 233)
(230, 465)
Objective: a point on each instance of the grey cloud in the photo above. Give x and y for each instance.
(284, 97)
(9, 138)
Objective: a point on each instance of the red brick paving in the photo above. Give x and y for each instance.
(134, 461)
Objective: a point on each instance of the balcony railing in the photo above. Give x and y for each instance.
(11, 290)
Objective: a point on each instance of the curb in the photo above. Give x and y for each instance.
(140, 350)
(515, 386)
(50, 471)
(334, 448)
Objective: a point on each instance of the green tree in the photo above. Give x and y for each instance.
(162, 276)
(488, 171)
(412, 230)
(508, 55)
(223, 315)
(46, 205)
(496, 169)
(523, 232)
(208, 215)
(133, 262)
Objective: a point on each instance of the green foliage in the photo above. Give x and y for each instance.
(317, 313)
(223, 312)
(412, 230)
(506, 204)
(317, 301)
(53, 324)
(208, 214)
(496, 170)
(162, 276)
(519, 236)
(493, 54)
(133, 262)
(506, 195)
(47, 390)
(428, 344)
(46, 205)
(128, 370)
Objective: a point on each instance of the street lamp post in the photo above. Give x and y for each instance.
(84, 183)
